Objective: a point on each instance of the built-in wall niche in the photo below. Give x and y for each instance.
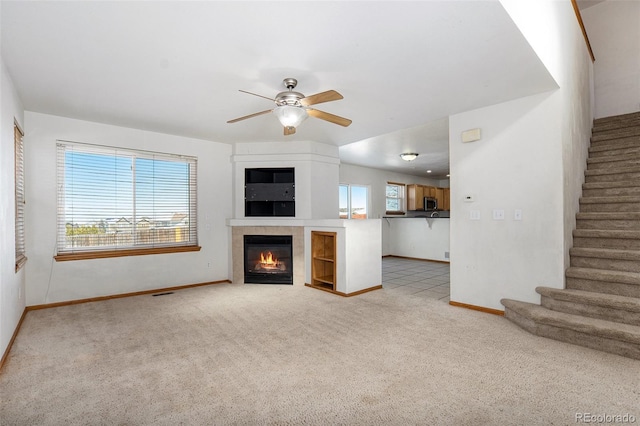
(269, 192)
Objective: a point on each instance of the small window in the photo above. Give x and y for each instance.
(115, 202)
(354, 201)
(21, 256)
(395, 198)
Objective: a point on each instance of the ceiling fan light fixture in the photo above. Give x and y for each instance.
(409, 156)
(290, 116)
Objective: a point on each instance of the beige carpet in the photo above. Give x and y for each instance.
(289, 355)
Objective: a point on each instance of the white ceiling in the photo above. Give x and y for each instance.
(176, 67)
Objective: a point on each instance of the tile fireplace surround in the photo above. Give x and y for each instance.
(237, 241)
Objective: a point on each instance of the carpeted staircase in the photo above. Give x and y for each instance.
(600, 307)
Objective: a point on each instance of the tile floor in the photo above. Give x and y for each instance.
(419, 278)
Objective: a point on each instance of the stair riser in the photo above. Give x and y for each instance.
(615, 125)
(609, 207)
(610, 192)
(609, 264)
(607, 224)
(616, 134)
(616, 119)
(593, 311)
(620, 289)
(607, 243)
(612, 177)
(615, 151)
(625, 349)
(631, 162)
(626, 142)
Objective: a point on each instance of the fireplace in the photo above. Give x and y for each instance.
(268, 259)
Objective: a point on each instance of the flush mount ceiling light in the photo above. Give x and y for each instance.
(409, 156)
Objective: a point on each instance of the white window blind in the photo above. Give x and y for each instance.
(20, 197)
(115, 199)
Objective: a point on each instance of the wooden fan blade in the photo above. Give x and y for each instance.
(255, 94)
(329, 117)
(318, 98)
(288, 130)
(249, 116)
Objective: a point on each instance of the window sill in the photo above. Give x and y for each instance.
(20, 261)
(122, 253)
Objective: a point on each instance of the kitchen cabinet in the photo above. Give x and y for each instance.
(416, 194)
(415, 197)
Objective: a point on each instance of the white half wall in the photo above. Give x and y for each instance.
(613, 28)
(49, 281)
(376, 180)
(12, 283)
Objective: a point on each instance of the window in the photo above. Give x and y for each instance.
(117, 202)
(353, 201)
(395, 198)
(21, 257)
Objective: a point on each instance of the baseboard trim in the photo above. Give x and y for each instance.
(416, 258)
(13, 338)
(477, 308)
(339, 293)
(119, 296)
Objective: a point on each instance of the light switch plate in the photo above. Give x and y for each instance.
(517, 214)
(498, 214)
(474, 214)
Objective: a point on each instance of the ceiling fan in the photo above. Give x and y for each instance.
(292, 108)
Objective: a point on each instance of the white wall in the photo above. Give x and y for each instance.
(420, 238)
(12, 284)
(613, 28)
(49, 281)
(531, 157)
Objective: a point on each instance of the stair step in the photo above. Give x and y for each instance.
(623, 142)
(619, 203)
(617, 124)
(608, 220)
(610, 150)
(612, 161)
(616, 134)
(616, 118)
(605, 238)
(609, 259)
(622, 283)
(623, 190)
(612, 175)
(608, 307)
(608, 336)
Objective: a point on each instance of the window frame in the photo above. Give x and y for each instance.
(402, 188)
(349, 186)
(136, 248)
(20, 198)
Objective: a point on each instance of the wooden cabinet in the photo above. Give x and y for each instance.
(415, 197)
(323, 260)
(416, 194)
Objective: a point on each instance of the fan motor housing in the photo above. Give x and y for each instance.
(289, 98)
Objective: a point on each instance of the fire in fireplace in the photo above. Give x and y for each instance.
(268, 259)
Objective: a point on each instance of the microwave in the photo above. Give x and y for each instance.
(430, 203)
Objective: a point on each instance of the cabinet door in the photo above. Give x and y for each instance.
(447, 199)
(415, 196)
(439, 196)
